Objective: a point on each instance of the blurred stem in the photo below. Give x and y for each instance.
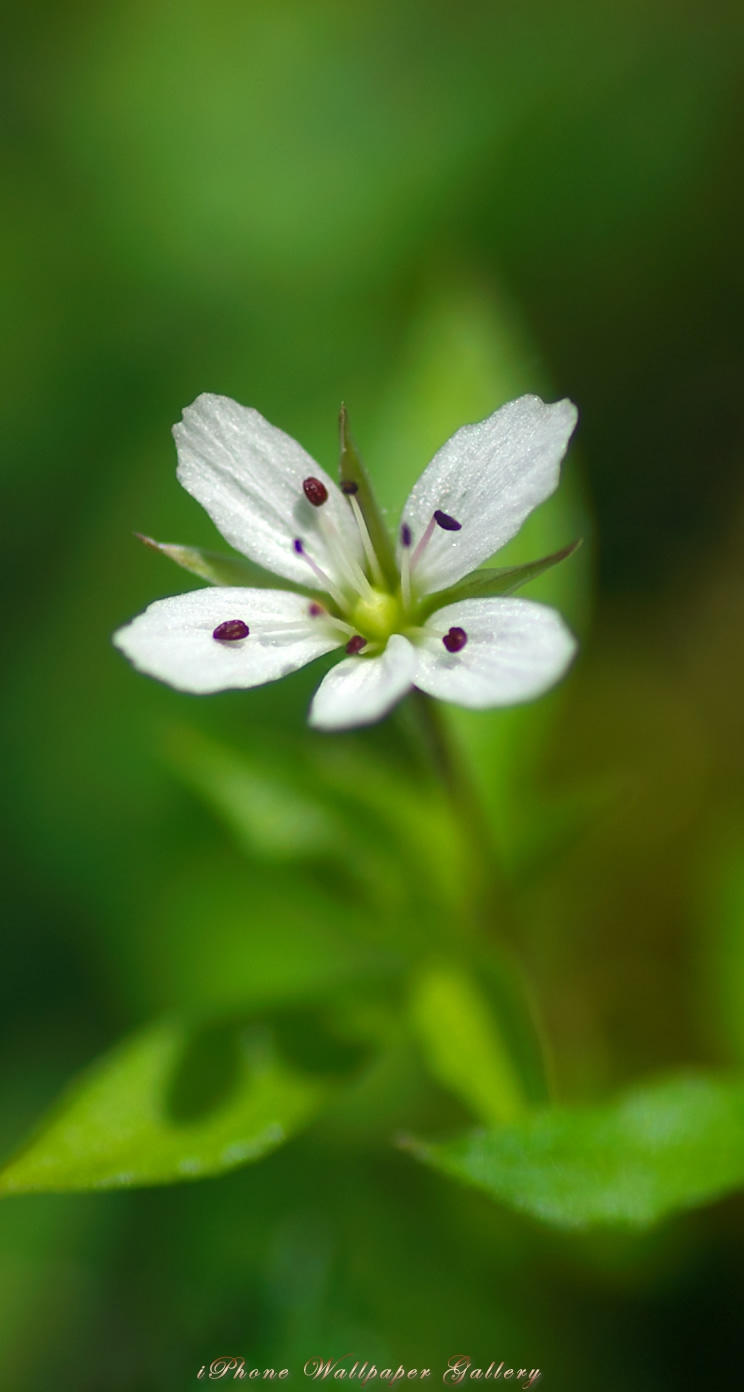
(485, 892)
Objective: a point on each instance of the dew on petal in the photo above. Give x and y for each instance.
(455, 640)
(356, 644)
(231, 631)
(447, 523)
(315, 491)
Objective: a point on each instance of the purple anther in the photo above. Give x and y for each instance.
(231, 631)
(315, 610)
(447, 523)
(348, 486)
(455, 640)
(315, 491)
(406, 535)
(356, 644)
(299, 548)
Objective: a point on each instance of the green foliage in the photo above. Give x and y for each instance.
(387, 831)
(423, 211)
(656, 1150)
(166, 1106)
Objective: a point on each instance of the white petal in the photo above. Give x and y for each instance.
(173, 639)
(361, 690)
(515, 650)
(248, 475)
(489, 477)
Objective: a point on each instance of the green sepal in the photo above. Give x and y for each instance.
(352, 470)
(495, 580)
(218, 569)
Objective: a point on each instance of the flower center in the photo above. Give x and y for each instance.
(366, 610)
(376, 615)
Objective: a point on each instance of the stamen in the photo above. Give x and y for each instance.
(351, 489)
(447, 523)
(343, 558)
(440, 519)
(356, 644)
(315, 491)
(231, 631)
(406, 537)
(327, 584)
(317, 611)
(455, 640)
(424, 542)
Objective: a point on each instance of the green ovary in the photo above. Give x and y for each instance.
(377, 616)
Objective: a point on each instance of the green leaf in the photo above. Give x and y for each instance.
(462, 1043)
(655, 1150)
(216, 568)
(496, 580)
(169, 1104)
(352, 470)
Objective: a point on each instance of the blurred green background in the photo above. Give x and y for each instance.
(423, 210)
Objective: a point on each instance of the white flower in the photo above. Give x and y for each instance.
(274, 504)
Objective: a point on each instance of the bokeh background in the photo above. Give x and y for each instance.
(422, 209)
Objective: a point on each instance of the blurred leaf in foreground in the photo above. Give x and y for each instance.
(167, 1105)
(655, 1150)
